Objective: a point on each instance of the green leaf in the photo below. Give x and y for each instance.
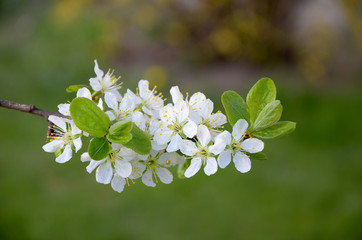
(123, 138)
(268, 116)
(121, 127)
(99, 148)
(277, 130)
(262, 93)
(75, 88)
(140, 142)
(235, 107)
(257, 156)
(88, 117)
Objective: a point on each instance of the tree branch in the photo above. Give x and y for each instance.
(29, 109)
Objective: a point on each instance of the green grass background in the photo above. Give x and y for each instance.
(309, 188)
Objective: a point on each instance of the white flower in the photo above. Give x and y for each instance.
(195, 104)
(117, 162)
(146, 99)
(121, 110)
(175, 123)
(64, 136)
(202, 152)
(107, 83)
(155, 167)
(82, 92)
(213, 121)
(236, 147)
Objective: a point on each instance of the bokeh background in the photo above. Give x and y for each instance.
(309, 188)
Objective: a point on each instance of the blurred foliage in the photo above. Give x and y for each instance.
(310, 188)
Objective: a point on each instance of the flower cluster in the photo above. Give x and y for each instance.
(185, 133)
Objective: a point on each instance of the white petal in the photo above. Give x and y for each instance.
(188, 147)
(66, 155)
(158, 147)
(110, 115)
(207, 109)
(239, 129)
(118, 183)
(164, 175)
(211, 166)
(98, 72)
(74, 129)
(174, 144)
(176, 94)
(53, 145)
(127, 105)
(195, 116)
(242, 162)
(182, 111)
(94, 82)
(137, 170)
(144, 92)
(84, 92)
(60, 122)
(100, 104)
(116, 93)
(64, 109)
(224, 158)
(220, 143)
(197, 101)
(85, 157)
(139, 119)
(193, 168)
(77, 144)
(224, 136)
(162, 136)
(253, 145)
(190, 129)
(147, 179)
(168, 159)
(136, 99)
(93, 165)
(217, 120)
(104, 173)
(203, 135)
(167, 114)
(123, 168)
(111, 101)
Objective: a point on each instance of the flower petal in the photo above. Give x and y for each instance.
(162, 136)
(144, 91)
(93, 165)
(211, 166)
(188, 148)
(77, 144)
(111, 101)
(123, 168)
(94, 82)
(242, 162)
(164, 175)
(139, 119)
(168, 159)
(147, 179)
(190, 129)
(64, 109)
(197, 101)
(60, 122)
(253, 145)
(118, 183)
(203, 135)
(137, 170)
(174, 144)
(53, 145)
(85, 157)
(217, 120)
(84, 92)
(224, 158)
(239, 129)
(207, 109)
(110, 115)
(176, 94)
(104, 173)
(66, 155)
(193, 168)
(98, 72)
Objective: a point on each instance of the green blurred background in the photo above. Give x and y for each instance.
(309, 188)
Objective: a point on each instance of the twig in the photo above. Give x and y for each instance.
(29, 109)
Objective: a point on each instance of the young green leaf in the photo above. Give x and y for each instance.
(122, 138)
(88, 117)
(268, 116)
(121, 127)
(99, 148)
(235, 107)
(257, 156)
(262, 93)
(277, 130)
(74, 88)
(140, 142)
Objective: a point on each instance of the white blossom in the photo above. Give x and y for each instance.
(237, 147)
(65, 135)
